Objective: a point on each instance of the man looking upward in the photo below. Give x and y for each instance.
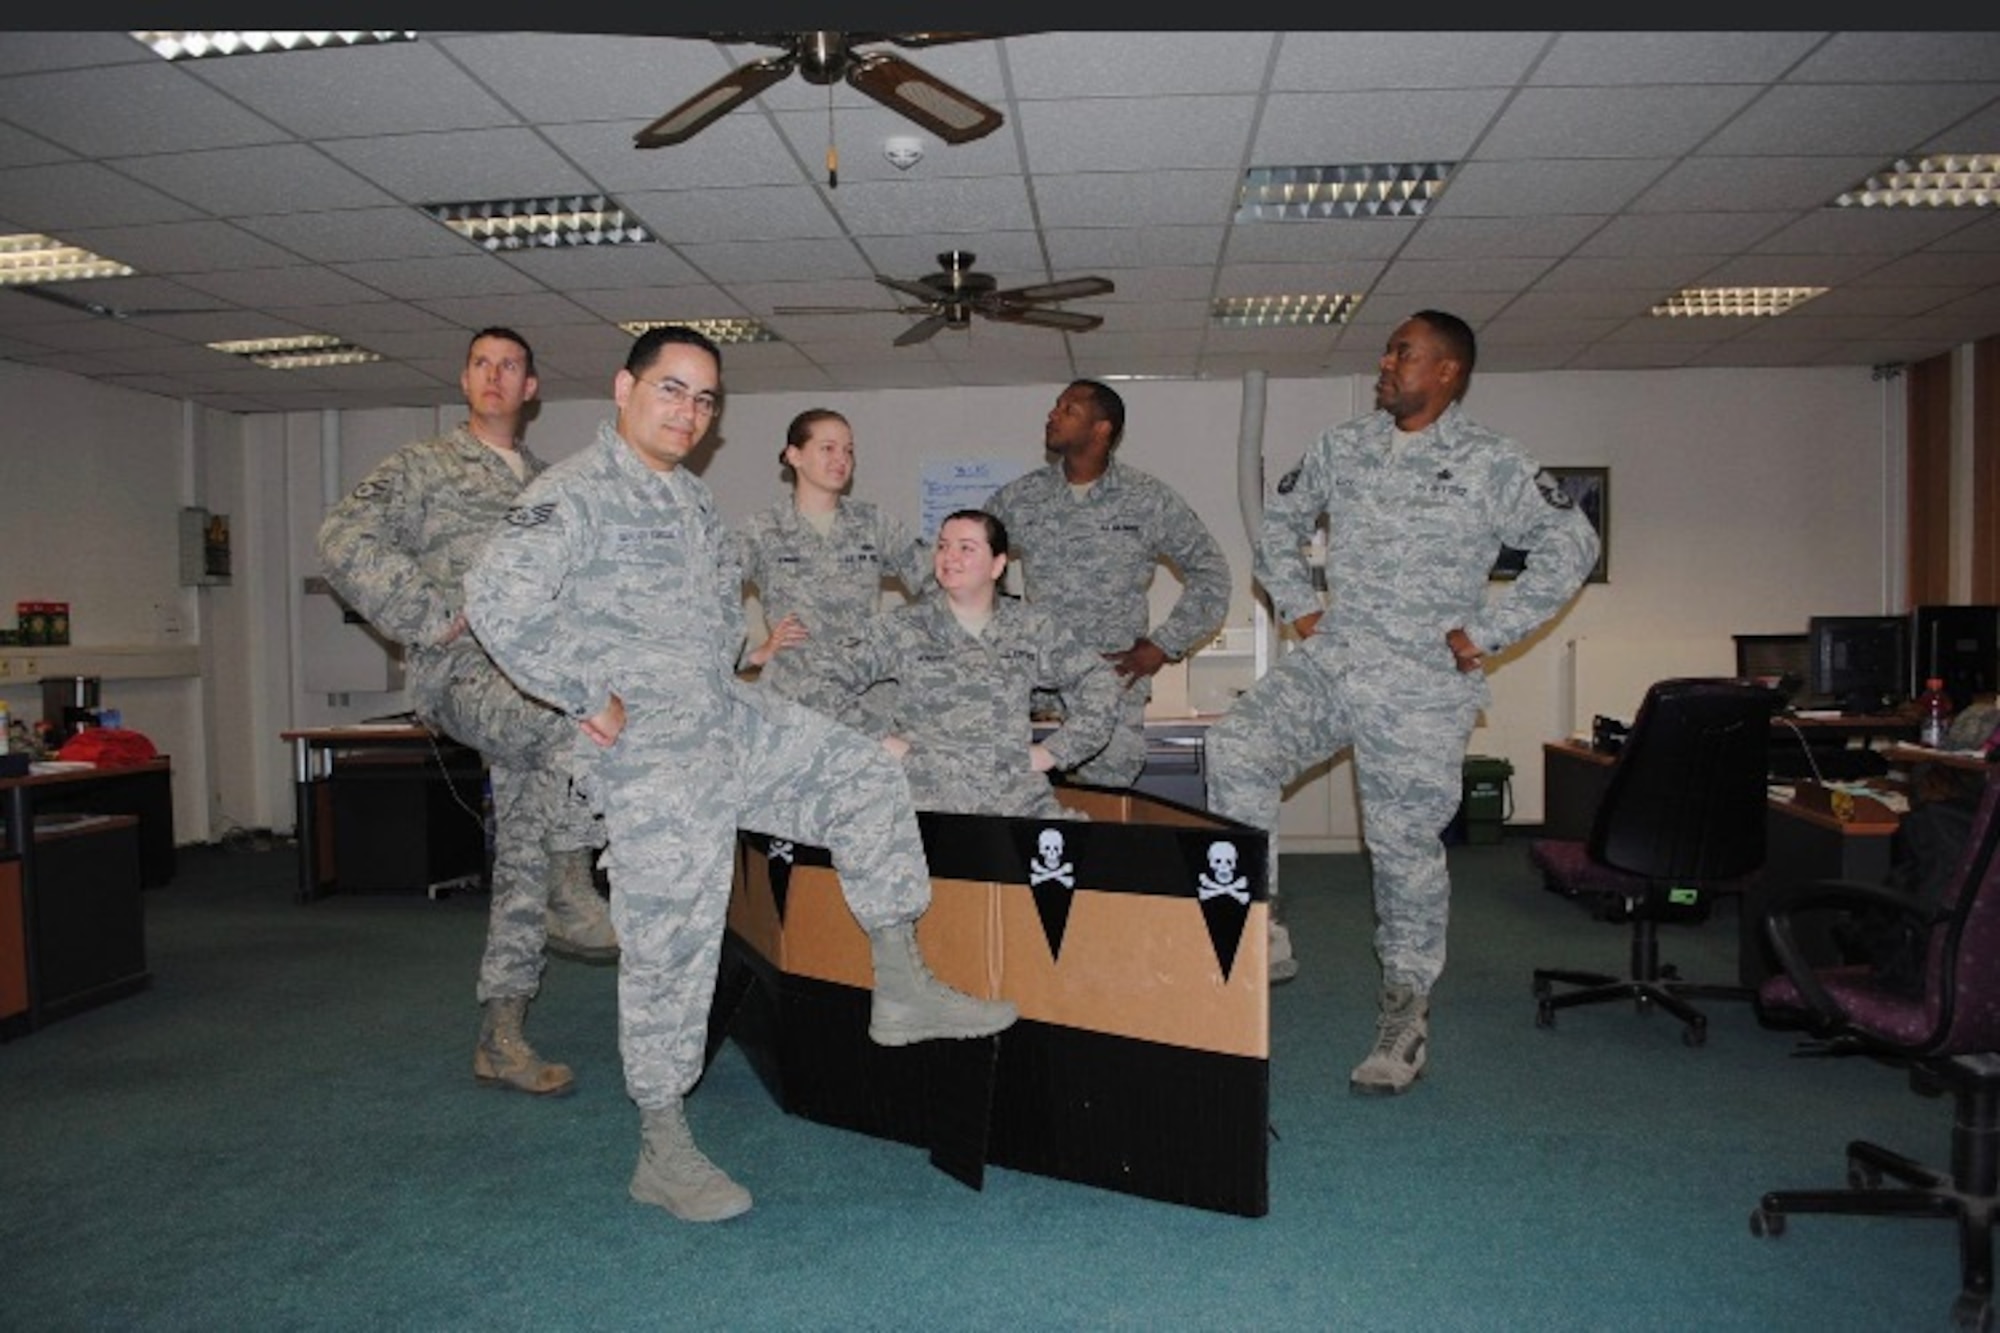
(396, 550)
(1087, 533)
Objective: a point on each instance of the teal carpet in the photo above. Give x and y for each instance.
(283, 1133)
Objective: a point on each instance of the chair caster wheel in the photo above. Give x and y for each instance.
(1764, 1222)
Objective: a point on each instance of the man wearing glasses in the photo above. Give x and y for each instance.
(613, 591)
(396, 551)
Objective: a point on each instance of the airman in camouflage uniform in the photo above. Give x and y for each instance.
(825, 578)
(1088, 532)
(962, 712)
(612, 591)
(1418, 500)
(396, 550)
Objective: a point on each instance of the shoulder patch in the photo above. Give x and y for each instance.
(370, 490)
(1552, 491)
(531, 516)
(1290, 480)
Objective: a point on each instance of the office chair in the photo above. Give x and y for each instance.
(1681, 822)
(1943, 1027)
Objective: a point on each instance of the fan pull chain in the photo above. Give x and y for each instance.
(832, 153)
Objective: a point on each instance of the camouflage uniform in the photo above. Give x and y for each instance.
(833, 584)
(1412, 538)
(1091, 561)
(963, 702)
(610, 578)
(396, 550)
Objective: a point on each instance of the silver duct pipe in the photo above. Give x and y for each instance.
(330, 489)
(1250, 455)
(1250, 504)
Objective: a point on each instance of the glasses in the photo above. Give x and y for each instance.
(679, 395)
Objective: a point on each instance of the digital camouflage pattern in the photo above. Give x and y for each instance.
(962, 702)
(1090, 562)
(1411, 538)
(610, 578)
(396, 549)
(834, 585)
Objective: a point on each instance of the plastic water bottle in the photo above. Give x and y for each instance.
(1933, 714)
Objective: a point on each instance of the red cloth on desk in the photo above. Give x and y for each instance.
(108, 747)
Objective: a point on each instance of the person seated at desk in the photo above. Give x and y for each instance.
(1929, 843)
(966, 661)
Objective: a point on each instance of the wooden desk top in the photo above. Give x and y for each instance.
(1868, 817)
(94, 773)
(1905, 756)
(367, 731)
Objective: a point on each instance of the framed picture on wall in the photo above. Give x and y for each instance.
(1590, 487)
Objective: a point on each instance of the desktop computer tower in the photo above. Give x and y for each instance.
(1960, 645)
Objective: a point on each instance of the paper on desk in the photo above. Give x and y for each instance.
(46, 766)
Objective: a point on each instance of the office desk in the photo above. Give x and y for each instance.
(73, 864)
(1804, 840)
(386, 807)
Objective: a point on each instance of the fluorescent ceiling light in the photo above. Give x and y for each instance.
(30, 258)
(304, 352)
(1363, 190)
(722, 332)
(1963, 180)
(1699, 302)
(1270, 312)
(523, 224)
(195, 45)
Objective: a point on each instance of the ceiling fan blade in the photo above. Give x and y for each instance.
(921, 330)
(910, 287)
(925, 38)
(841, 310)
(928, 100)
(715, 101)
(103, 311)
(1071, 321)
(1066, 289)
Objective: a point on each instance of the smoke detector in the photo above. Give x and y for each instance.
(903, 151)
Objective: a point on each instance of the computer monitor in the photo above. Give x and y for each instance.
(1961, 646)
(1860, 664)
(1782, 662)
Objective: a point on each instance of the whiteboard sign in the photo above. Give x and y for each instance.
(951, 484)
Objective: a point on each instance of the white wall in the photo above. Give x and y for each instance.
(92, 482)
(1740, 501)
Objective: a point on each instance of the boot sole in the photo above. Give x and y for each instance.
(495, 1081)
(583, 953)
(901, 1036)
(1383, 1089)
(722, 1213)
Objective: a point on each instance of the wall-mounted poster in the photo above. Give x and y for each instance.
(1590, 487)
(951, 484)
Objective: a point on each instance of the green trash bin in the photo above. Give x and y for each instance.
(1485, 800)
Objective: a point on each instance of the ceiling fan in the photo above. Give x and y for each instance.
(822, 58)
(949, 298)
(103, 311)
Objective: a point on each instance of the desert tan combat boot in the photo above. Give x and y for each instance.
(675, 1175)
(911, 1005)
(1402, 1040)
(579, 924)
(503, 1058)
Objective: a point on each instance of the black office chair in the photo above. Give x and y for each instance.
(1681, 823)
(1943, 1027)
